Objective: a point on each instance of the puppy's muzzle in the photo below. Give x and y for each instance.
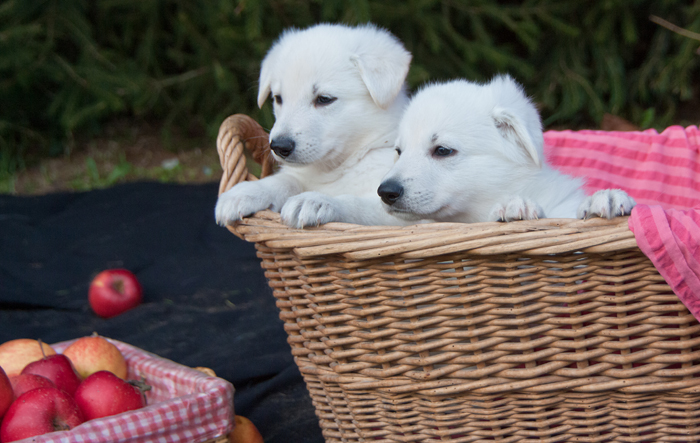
(390, 191)
(282, 146)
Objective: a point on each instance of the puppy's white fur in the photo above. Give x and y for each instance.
(343, 147)
(491, 166)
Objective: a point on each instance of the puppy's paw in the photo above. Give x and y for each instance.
(517, 208)
(310, 209)
(242, 200)
(607, 203)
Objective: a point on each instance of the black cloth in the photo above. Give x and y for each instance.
(206, 300)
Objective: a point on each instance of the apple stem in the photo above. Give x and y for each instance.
(41, 346)
(118, 286)
(59, 425)
(141, 384)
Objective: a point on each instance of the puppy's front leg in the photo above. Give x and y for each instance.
(247, 198)
(315, 208)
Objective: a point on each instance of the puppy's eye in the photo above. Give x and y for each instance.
(324, 100)
(278, 99)
(398, 151)
(441, 151)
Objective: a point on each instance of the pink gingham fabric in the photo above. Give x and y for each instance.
(662, 173)
(183, 405)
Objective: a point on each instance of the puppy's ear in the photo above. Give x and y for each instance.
(383, 66)
(265, 81)
(266, 70)
(516, 117)
(513, 129)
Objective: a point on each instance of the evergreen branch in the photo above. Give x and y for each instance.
(675, 28)
(182, 78)
(71, 72)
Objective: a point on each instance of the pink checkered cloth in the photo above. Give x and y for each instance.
(184, 405)
(662, 173)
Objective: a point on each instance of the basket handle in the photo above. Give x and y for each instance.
(239, 132)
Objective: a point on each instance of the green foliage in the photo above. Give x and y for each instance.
(67, 66)
(92, 178)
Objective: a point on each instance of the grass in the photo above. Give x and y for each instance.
(169, 171)
(127, 153)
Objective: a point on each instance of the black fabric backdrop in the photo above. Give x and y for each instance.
(206, 301)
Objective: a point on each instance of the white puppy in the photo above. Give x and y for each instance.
(473, 152)
(338, 95)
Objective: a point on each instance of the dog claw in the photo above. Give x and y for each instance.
(606, 203)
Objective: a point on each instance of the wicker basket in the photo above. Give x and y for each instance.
(548, 330)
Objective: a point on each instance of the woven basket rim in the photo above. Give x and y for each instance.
(357, 242)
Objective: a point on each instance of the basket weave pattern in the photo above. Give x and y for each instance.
(548, 330)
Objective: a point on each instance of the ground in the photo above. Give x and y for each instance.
(126, 152)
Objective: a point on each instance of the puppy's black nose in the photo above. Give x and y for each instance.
(283, 146)
(390, 191)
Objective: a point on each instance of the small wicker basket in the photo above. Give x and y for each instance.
(548, 330)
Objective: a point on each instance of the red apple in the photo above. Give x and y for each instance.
(114, 291)
(103, 394)
(16, 354)
(26, 382)
(244, 431)
(7, 395)
(95, 353)
(57, 368)
(40, 411)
